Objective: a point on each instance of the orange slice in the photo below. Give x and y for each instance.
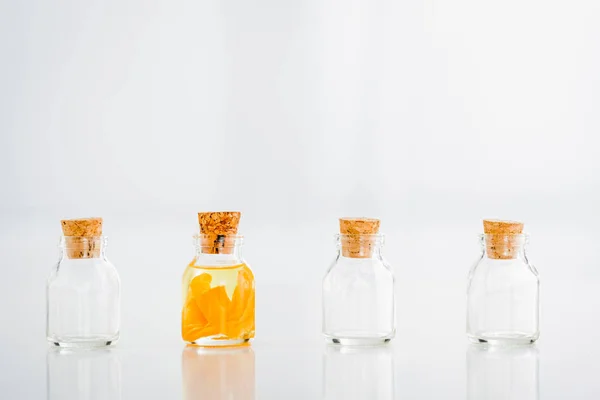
(241, 313)
(214, 304)
(192, 313)
(199, 285)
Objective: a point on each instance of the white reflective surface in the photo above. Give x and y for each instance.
(430, 357)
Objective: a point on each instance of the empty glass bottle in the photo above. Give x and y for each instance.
(358, 289)
(503, 288)
(218, 286)
(83, 290)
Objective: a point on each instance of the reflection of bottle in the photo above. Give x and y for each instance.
(502, 373)
(212, 373)
(358, 373)
(93, 374)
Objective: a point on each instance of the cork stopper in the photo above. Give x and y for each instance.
(82, 237)
(216, 229)
(502, 240)
(354, 243)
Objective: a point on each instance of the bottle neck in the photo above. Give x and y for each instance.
(218, 248)
(209, 252)
(360, 246)
(504, 247)
(82, 247)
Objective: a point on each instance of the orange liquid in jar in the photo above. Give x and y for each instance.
(218, 303)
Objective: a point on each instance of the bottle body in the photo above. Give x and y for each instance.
(83, 299)
(218, 299)
(503, 297)
(358, 298)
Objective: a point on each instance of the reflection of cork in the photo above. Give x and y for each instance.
(216, 229)
(82, 237)
(502, 238)
(356, 242)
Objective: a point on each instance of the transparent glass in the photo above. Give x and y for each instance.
(218, 374)
(358, 373)
(358, 295)
(83, 295)
(500, 373)
(503, 293)
(91, 374)
(218, 294)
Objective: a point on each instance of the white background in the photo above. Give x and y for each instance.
(428, 114)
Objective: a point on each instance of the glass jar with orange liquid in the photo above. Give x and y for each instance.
(218, 286)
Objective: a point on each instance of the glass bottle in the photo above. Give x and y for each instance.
(503, 288)
(498, 373)
(218, 374)
(358, 289)
(91, 374)
(218, 286)
(83, 290)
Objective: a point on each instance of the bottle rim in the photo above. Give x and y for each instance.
(524, 237)
(377, 239)
(360, 236)
(225, 241)
(77, 241)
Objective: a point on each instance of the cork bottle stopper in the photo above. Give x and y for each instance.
(501, 240)
(354, 243)
(215, 227)
(81, 237)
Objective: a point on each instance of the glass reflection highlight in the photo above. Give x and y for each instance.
(502, 373)
(83, 374)
(358, 373)
(218, 373)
